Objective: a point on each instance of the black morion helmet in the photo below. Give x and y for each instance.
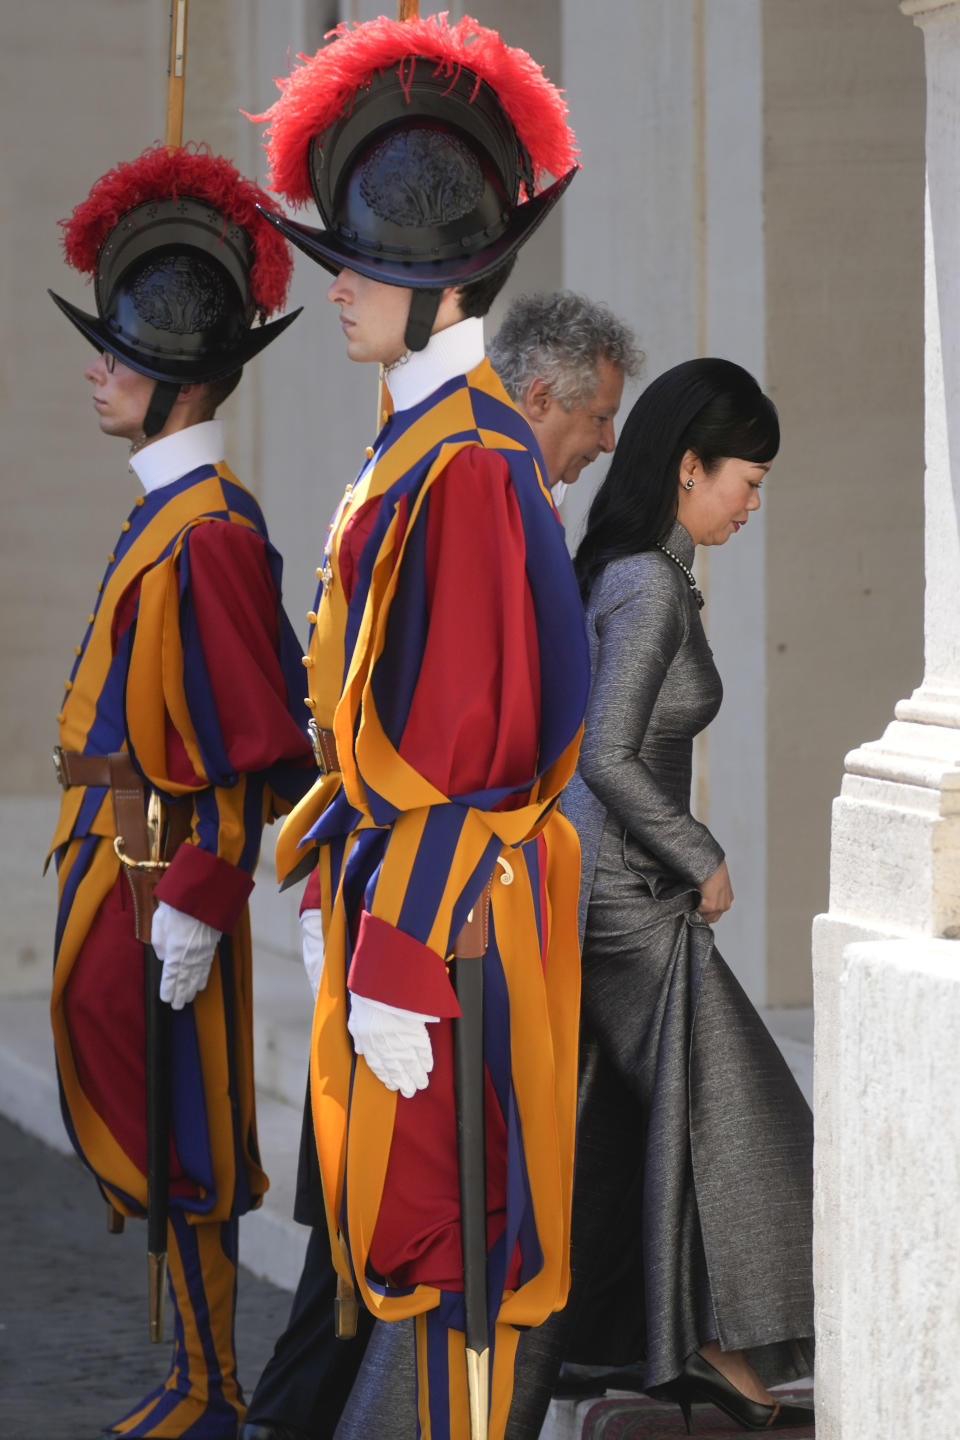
(405, 133)
(183, 265)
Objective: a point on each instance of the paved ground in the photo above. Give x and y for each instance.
(74, 1349)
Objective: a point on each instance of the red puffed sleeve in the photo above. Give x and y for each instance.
(472, 724)
(214, 683)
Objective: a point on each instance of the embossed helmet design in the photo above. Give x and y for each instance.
(425, 146)
(183, 264)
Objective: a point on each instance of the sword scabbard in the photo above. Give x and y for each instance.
(156, 1281)
(469, 949)
(478, 1392)
(345, 1310)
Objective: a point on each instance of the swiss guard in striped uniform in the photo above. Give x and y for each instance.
(448, 677)
(186, 686)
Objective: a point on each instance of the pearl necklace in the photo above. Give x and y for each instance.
(697, 595)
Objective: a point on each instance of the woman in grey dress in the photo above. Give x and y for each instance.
(692, 1197)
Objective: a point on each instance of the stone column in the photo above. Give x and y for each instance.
(886, 958)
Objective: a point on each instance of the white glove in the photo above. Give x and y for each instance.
(186, 947)
(394, 1043)
(311, 941)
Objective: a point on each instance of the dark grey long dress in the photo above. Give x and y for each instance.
(692, 1197)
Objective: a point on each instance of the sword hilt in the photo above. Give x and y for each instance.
(119, 846)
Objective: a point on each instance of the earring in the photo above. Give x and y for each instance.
(688, 483)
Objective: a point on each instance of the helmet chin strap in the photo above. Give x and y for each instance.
(164, 394)
(424, 305)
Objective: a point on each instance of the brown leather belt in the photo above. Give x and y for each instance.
(132, 844)
(75, 769)
(324, 748)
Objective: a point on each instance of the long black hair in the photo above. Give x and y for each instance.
(712, 407)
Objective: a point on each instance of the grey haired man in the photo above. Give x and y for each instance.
(563, 360)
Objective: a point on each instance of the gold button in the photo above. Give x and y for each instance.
(68, 685)
(312, 614)
(369, 452)
(319, 572)
(78, 649)
(384, 416)
(111, 558)
(125, 526)
(90, 618)
(310, 704)
(59, 717)
(307, 660)
(141, 500)
(100, 588)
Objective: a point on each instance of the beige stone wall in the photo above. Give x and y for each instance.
(83, 86)
(844, 205)
(79, 84)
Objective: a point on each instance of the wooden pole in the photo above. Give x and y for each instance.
(406, 10)
(176, 73)
(158, 1016)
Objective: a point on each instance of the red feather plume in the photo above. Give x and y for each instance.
(160, 174)
(323, 87)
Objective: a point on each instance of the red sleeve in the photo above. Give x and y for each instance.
(474, 722)
(237, 614)
(206, 887)
(226, 707)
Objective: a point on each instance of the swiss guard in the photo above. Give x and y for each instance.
(448, 678)
(181, 733)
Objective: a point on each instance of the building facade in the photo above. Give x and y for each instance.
(751, 187)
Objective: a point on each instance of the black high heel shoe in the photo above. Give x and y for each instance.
(699, 1380)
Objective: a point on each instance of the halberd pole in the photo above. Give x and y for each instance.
(157, 1015)
(176, 74)
(406, 10)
